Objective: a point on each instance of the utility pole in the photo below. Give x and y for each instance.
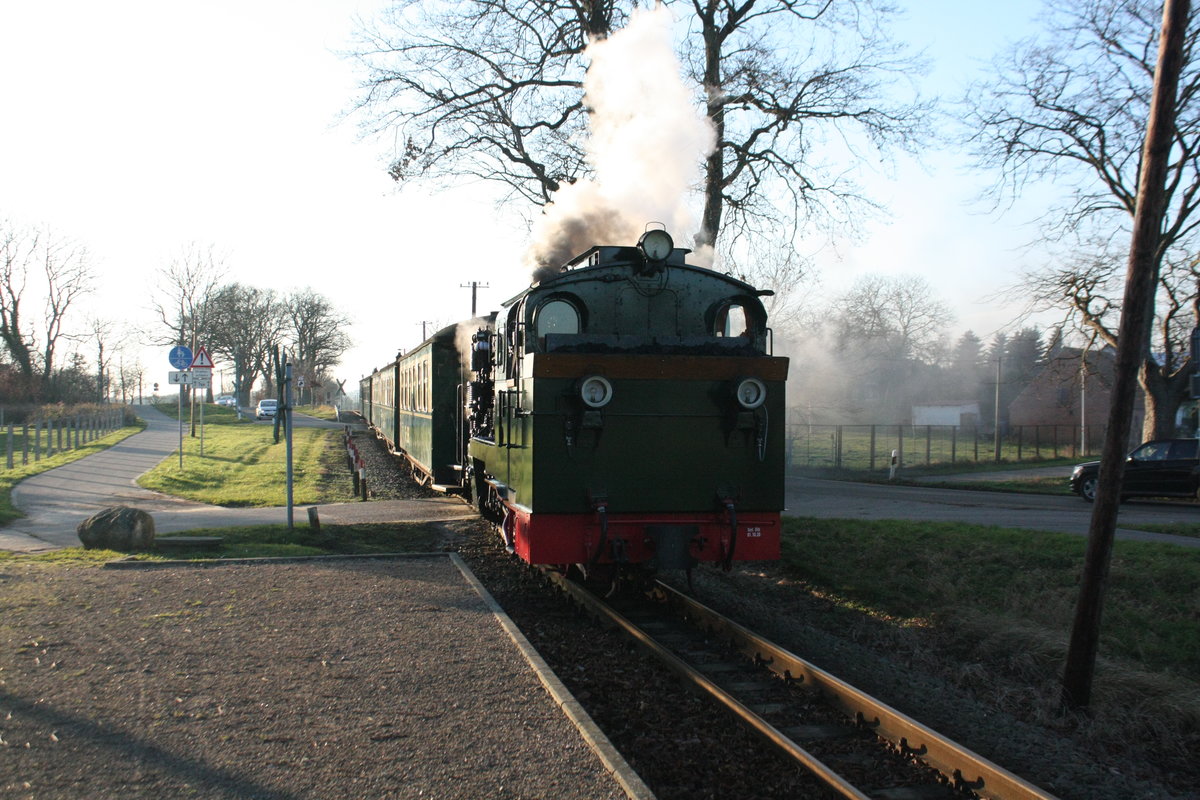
(1083, 403)
(1141, 278)
(473, 285)
(423, 323)
(996, 412)
(287, 433)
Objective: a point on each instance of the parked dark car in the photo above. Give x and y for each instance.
(1166, 468)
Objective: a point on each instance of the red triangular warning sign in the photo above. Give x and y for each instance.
(202, 360)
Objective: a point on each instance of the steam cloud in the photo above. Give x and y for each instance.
(647, 145)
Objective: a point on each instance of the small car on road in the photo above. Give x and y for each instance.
(1164, 468)
(266, 409)
(227, 400)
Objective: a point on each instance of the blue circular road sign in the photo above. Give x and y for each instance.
(181, 357)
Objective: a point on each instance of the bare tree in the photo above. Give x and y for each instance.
(493, 89)
(489, 90)
(888, 334)
(183, 296)
(246, 324)
(782, 80)
(130, 375)
(65, 268)
(15, 257)
(100, 332)
(901, 317)
(1071, 110)
(318, 334)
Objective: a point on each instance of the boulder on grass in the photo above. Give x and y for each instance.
(119, 528)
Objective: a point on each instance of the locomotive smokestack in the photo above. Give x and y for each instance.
(647, 145)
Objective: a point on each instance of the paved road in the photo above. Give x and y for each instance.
(56, 501)
(812, 497)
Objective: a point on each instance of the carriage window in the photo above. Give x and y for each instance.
(557, 316)
(732, 321)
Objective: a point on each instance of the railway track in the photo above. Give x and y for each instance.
(856, 745)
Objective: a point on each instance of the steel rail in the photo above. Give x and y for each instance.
(964, 767)
(814, 765)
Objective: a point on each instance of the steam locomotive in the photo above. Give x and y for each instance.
(623, 411)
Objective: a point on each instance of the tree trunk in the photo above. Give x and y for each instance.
(1162, 395)
(714, 165)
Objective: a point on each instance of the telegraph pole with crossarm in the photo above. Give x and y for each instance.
(473, 286)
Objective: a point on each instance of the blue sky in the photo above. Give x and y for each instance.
(140, 126)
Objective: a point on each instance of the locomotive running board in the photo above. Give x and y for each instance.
(445, 489)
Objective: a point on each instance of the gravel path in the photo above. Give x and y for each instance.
(356, 679)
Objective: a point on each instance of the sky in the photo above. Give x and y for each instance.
(141, 128)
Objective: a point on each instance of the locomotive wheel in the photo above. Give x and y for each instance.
(483, 497)
(600, 579)
(612, 580)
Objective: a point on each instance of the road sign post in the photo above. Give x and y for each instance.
(287, 432)
(180, 358)
(201, 371)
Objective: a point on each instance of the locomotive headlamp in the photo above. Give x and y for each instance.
(750, 393)
(595, 391)
(656, 245)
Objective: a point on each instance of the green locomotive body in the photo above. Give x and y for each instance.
(624, 410)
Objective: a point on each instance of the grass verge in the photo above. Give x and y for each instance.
(1176, 529)
(243, 465)
(266, 541)
(1055, 486)
(319, 411)
(973, 583)
(11, 477)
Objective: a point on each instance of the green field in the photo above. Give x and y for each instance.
(242, 464)
(996, 579)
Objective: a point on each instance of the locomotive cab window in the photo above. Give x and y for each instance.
(557, 316)
(732, 320)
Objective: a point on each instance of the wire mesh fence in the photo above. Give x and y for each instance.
(869, 447)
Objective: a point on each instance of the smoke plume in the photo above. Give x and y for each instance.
(647, 144)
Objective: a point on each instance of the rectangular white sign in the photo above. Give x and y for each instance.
(202, 378)
(182, 377)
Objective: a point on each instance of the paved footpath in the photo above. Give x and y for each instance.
(56, 501)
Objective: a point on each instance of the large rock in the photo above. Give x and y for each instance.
(118, 528)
